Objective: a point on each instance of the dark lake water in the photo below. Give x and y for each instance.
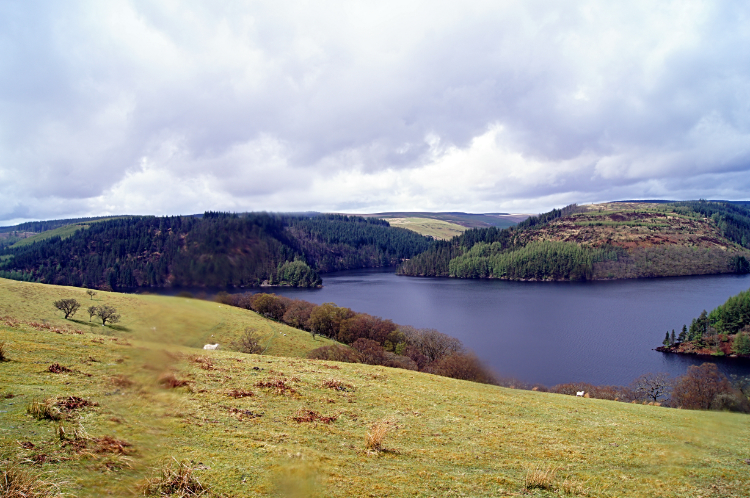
(550, 333)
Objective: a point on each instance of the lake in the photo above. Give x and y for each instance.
(544, 332)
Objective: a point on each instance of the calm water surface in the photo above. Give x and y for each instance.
(597, 332)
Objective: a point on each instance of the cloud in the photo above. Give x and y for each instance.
(165, 107)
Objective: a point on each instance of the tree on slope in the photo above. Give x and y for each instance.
(67, 306)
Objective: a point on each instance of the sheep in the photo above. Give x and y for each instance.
(580, 393)
(211, 346)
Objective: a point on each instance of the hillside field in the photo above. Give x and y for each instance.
(261, 425)
(437, 229)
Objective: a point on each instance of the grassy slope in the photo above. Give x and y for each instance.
(171, 320)
(427, 226)
(64, 232)
(450, 437)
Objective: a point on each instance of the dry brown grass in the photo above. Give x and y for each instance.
(44, 410)
(3, 352)
(174, 479)
(17, 483)
(377, 433)
(540, 478)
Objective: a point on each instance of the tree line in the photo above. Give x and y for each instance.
(368, 339)
(725, 330)
(215, 250)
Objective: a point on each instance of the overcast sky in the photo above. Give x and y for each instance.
(177, 107)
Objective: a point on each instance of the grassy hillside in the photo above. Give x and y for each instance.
(599, 241)
(259, 425)
(437, 229)
(171, 320)
(467, 220)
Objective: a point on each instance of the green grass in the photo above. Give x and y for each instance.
(446, 437)
(63, 232)
(171, 320)
(427, 226)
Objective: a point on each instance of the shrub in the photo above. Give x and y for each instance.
(3, 352)
(370, 351)
(335, 352)
(17, 483)
(376, 435)
(697, 389)
(174, 479)
(464, 366)
(248, 342)
(731, 401)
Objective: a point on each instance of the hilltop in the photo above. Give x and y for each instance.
(214, 250)
(131, 402)
(600, 241)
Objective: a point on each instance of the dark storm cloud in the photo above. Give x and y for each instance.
(166, 107)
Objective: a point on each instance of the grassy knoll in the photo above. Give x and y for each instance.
(172, 320)
(438, 229)
(446, 437)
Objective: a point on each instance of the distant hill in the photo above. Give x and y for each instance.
(468, 220)
(600, 241)
(216, 249)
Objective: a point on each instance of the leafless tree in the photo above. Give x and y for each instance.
(431, 343)
(654, 387)
(248, 342)
(67, 306)
(91, 293)
(91, 310)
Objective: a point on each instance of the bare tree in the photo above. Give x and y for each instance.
(654, 387)
(67, 306)
(431, 343)
(91, 293)
(248, 342)
(107, 314)
(91, 310)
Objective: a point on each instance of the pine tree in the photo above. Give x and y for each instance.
(672, 339)
(683, 334)
(666, 339)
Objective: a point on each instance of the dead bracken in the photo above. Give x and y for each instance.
(278, 386)
(57, 368)
(305, 415)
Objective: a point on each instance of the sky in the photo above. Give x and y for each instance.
(169, 107)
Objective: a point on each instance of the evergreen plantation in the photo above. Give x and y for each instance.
(217, 250)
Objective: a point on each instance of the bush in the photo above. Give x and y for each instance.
(3, 352)
(369, 351)
(248, 343)
(335, 352)
(697, 389)
(462, 366)
(732, 401)
(376, 435)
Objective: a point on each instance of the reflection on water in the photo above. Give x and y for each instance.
(597, 332)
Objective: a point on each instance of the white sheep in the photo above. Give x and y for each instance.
(580, 393)
(211, 346)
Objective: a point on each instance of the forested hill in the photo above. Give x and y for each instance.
(599, 241)
(218, 249)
